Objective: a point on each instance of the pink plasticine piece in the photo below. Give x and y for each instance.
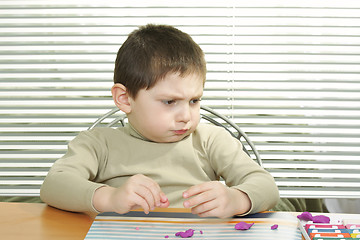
(306, 216)
(243, 226)
(137, 228)
(275, 226)
(321, 219)
(167, 236)
(188, 233)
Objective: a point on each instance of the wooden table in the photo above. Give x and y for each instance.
(39, 221)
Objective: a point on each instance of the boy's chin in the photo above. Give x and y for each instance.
(172, 139)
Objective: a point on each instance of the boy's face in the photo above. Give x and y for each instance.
(170, 110)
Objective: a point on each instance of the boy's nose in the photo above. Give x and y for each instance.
(184, 114)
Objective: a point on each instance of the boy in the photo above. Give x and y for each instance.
(163, 157)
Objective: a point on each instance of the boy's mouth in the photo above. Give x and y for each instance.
(180, 132)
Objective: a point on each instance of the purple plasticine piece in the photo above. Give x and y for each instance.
(275, 226)
(306, 216)
(321, 219)
(188, 233)
(243, 226)
(167, 236)
(201, 232)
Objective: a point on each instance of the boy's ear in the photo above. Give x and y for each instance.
(121, 97)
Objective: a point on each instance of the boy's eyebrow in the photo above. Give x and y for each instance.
(176, 96)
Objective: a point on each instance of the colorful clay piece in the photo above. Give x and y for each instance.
(243, 226)
(188, 233)
(137, 228)
(306, 216)
(167, 236)
(321, 219)
(201, 232)
(275, 226)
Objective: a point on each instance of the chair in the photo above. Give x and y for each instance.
(113, 119)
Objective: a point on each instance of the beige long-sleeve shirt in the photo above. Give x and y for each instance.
(106, 156)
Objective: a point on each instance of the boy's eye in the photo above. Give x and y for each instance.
(168, 102)
(194, 101)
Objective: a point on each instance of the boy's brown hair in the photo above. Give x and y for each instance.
(151, 52)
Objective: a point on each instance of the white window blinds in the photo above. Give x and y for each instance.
(286, 71)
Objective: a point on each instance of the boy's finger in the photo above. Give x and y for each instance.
(164, 201)
(197, 189)
(165, 204)
(147, 195)
(163, 198)
(139, 201)
(199, 199)
(155, 191)
(152, 187)
(208, 206)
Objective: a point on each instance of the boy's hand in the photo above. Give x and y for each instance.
(216, 200)
(138, 191)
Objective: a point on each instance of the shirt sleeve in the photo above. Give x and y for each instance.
(69, 184)
(241, 172)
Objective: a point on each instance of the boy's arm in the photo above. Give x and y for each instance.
(70, 183)
(240, 172)
(69, 192)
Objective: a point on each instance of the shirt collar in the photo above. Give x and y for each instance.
(134, 133)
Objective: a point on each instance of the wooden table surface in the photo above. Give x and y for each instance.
(40, 221)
